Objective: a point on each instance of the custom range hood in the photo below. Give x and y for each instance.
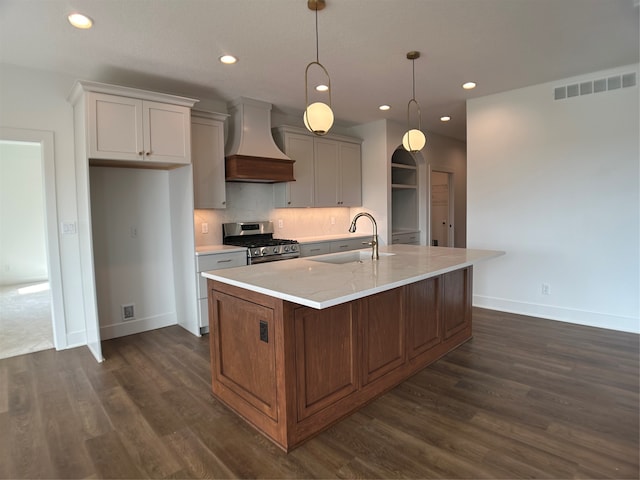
(251, 153)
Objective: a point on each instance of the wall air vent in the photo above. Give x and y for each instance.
(595, 86)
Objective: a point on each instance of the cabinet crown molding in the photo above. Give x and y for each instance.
(83, 86)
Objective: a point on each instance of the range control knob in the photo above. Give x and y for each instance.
(256, 251)
(275, 249)
(286, 248)
(294, 248)
(263, 251)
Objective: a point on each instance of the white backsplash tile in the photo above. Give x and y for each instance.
(254, 202)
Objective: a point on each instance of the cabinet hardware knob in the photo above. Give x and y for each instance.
(140, 153)
(224, 203)
(148, 153)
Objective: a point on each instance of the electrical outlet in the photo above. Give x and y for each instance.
(264, 331)
(205, 227)
(333, 220)
(134, 231)
(546, 289)
(280, 223)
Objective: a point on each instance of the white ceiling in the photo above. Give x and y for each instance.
(174, 45)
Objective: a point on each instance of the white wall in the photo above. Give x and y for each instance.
(23, 256)
(132, 250)
(35, 99)
(555, 185)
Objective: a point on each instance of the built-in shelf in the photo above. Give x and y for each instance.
(404, 193)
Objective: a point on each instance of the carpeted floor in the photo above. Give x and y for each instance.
(25, 321)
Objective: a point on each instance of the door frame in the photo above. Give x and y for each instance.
(45, 140)
(452, 222)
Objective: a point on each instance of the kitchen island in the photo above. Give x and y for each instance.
(299, 344)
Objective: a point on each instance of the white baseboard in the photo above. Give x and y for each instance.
(131, 327)
(562, 314)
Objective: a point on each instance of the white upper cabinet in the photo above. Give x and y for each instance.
(338, 171)
(298, 147)
(327, 170)
(131, 125)
(207, 154)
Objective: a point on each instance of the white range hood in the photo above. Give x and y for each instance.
(251, 154)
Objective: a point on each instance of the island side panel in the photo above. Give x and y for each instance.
(423, 314)
(383, 334)
(327, 356)
(456, 302)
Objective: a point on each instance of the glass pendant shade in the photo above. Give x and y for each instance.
(318, 118)
(414, 140)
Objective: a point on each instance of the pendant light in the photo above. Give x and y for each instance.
(318, 117)
(413, 140)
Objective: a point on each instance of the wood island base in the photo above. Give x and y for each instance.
(292, 371)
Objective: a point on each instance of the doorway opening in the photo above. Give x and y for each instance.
(31, 311)
(442, 199)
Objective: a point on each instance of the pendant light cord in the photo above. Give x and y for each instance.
(413, 67)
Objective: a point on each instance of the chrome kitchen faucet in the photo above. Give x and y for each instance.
(374, 239)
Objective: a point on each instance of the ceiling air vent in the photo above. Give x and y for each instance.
(595, 86)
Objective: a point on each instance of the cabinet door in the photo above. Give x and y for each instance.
(383, 336)
(243, 330)
(422, 311)
(311, 249)
(350, 175)
(167, 133)
(327, 171)
(456, 301)
(207, 151)
(301, 192)
(349, 244)
(114, 127)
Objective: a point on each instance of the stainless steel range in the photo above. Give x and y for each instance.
(257, 237)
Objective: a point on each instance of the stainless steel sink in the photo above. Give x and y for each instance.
(356, 256)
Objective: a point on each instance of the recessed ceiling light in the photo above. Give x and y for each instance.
(80, 21)
(322, 88)
(228, 59)
(469, 85)
(384, 107)
(445, 118)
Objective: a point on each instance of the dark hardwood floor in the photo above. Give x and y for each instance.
(525, 398)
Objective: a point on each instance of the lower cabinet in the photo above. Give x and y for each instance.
(291, 371)
(205, 263)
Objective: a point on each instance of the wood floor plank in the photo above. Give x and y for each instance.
(85, 403)
(197, 460)
(143, 446)
(110, 458)
(526, 397)
(63, 436)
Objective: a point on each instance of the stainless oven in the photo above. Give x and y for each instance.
(257, 238)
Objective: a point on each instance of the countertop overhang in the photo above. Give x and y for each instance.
(310, 282)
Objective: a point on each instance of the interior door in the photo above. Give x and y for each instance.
(441, 208)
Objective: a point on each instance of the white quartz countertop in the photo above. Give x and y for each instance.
(308, 281)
